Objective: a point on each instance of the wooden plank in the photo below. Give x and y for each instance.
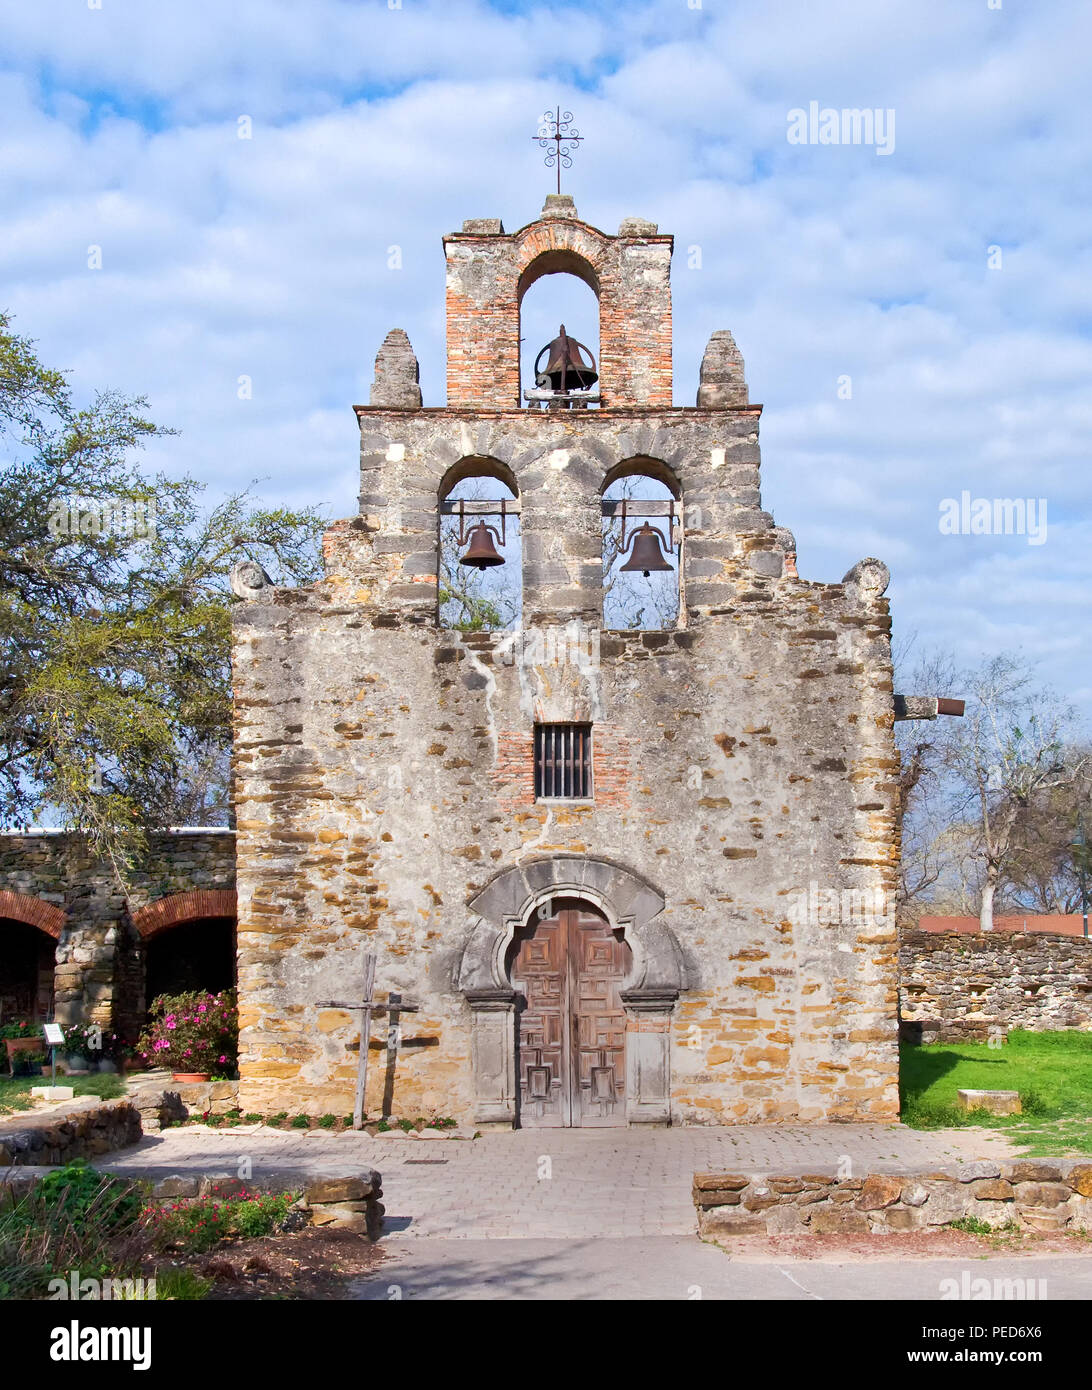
(639, 507)
(481, 507)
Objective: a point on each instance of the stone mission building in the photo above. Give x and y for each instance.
(579, 859)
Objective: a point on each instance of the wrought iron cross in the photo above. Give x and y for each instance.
(565, 139)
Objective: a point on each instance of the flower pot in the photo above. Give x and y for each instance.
(76, 1062)
(16, 1045)
(190, 1076)
(106, 1064)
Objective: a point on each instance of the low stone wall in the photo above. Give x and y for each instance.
(158, 1103)
(956, 986)
(351, 1203)
(1036, 1196)
(85, 1130)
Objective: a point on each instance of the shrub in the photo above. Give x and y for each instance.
(23, 1029)
(195, 1227)
(327, 1121)
(300, 1122)
(196, 1031)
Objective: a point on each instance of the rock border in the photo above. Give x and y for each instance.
(1036, 1196)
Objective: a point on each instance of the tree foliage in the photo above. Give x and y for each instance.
(115, 613)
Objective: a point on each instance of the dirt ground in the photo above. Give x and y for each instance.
(315, 1263)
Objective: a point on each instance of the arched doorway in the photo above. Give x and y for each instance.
(26, 972)
(191, 956)
(188, 942)
(568, 967)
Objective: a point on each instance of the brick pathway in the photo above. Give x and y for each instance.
(559, 1184)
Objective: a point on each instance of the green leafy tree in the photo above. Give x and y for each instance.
(115, 614)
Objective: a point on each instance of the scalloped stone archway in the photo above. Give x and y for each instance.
(659, 974)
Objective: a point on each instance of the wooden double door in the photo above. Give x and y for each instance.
(569, 968)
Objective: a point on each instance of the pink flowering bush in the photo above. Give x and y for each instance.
(196, 1031)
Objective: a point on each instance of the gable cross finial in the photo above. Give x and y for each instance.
(556, 126)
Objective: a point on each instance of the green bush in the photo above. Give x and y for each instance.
(195, 1227)
(327, 1121)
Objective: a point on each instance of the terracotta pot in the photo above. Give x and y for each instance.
(190, 1076)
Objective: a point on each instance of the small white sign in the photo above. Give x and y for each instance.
(54, 1034)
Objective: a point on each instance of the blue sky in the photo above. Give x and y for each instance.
(375, 127)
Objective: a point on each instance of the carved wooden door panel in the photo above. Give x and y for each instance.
(572, 1030)
(599, 962)
(540, 973)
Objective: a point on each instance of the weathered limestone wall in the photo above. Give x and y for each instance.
(383, 775)
(956, 987)
(99, 971)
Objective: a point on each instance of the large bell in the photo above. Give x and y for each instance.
(481, 553)
(647, 553)
(569, 365)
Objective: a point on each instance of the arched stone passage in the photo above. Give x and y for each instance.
(649, 993)
(178, 908)
(20, 907)
(187, 942)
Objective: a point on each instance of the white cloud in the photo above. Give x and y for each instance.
(375, 128)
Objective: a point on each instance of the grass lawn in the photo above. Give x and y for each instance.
(15, 1091)
(1051, 1071)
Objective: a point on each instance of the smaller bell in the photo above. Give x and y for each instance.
(647, 553)
(481, 553)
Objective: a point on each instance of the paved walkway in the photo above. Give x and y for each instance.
(681, 1267)
(553, 1184)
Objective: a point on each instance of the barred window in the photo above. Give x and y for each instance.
(563, 761)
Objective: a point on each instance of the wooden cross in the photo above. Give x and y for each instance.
(368, 1008)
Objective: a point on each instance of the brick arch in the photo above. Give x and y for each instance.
(35, 912)
(178, 908)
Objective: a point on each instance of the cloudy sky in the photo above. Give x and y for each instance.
(949, 280)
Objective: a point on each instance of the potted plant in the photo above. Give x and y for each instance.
(195, 1034)
(81, 1040)
(20, 1037)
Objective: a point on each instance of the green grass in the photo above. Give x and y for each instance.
(15, 1091)
(1051, 1071)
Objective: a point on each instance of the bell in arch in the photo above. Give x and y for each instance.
(646, 555)
(570, 366)
(481, 553)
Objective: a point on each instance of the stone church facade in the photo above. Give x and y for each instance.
(645, 949)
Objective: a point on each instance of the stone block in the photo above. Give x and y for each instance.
(996, 1102)
(327, 1190)
(878, 1192)
(838, 1221)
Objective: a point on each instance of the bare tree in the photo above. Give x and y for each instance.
(1013, 749)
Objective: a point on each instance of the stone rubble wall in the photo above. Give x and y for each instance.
(57, 1137)
(1037, 1196)
(957, 987)
(99, 974)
